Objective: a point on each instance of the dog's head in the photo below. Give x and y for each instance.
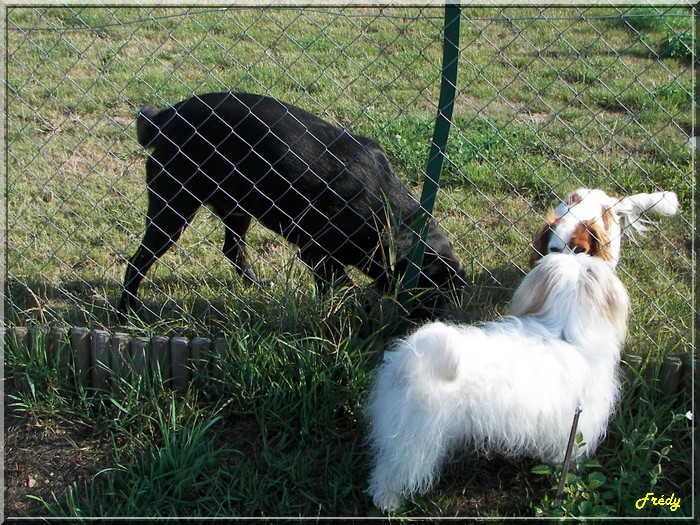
(585, 223)
(577, 295)
(589, 221)
(569, 235)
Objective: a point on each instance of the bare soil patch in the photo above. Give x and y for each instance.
(43, 458)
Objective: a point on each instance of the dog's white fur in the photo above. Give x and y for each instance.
(592, 222)
(509, 387)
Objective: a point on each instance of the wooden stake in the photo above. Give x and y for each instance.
(160, 356)
(179, 347)
(199, 349)
(101, 359)
(80, 343)
(139, 353)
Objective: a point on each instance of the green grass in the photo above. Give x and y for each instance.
(651, 431)
(278, 430)
(273, 432)
(545, 104)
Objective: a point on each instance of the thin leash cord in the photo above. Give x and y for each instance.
(567, 457)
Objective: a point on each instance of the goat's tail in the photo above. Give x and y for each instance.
(631, 208)
(146, 127)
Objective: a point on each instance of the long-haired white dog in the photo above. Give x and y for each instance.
(509, 387)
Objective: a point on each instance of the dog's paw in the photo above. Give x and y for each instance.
(386, 500)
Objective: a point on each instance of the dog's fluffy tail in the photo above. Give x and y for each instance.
(436, 357)
(633, 207)
(411, 432)
(146, 127)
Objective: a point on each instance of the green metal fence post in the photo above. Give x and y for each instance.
(448, 87)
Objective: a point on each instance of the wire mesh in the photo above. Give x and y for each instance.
(549, 99)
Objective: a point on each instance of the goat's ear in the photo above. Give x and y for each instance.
(539, 244)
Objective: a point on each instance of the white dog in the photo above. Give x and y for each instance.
(509, 387)
(588, 221)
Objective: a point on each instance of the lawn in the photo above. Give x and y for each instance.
(548, 100)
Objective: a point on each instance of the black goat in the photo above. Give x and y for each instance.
(331, 193)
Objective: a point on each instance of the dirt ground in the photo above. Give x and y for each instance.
(43, 458)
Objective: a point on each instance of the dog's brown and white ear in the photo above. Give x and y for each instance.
(618, 305)
(578, 289)
(592, 239)
(540, 243)
(607, 295)
(542, 289)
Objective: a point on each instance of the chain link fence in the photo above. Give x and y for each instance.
(548, 100)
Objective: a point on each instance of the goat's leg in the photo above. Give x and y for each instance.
(234, 249)
(166, 220)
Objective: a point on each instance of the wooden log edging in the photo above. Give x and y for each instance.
(99, 357)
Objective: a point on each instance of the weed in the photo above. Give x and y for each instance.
(650, 435)
(683, 47)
